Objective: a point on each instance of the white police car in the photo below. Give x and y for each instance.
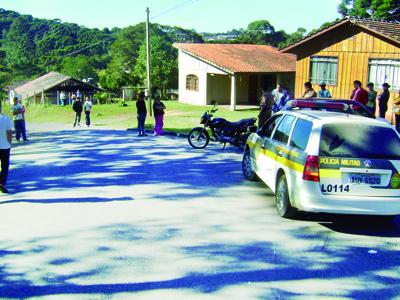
(326, 161)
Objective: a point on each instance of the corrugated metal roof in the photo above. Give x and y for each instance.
(41, 83)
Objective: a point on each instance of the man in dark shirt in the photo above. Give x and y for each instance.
(141, 114)
(77, 107)
(383, 100)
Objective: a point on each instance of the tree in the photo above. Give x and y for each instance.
(261, 32)
(377, 9)
(294, 37)
(164, 64)
(78, 67)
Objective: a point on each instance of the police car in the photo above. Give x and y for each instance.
(326, 160)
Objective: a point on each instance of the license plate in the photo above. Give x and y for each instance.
(369, 179)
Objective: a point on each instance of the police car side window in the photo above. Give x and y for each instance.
(301, 134)
(269, 126)
(282, 132)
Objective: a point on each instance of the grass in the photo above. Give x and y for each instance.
(178, 118)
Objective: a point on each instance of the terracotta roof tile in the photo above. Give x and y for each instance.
(241, 58)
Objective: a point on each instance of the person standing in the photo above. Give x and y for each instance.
(359, 94)
(308, 91)
(280, 97)
(371, 104)
(5, 146)
(323, 92)
(77, 107)
(383, 100)
(158, 109)
(266, 104)
(18, 111)
(141, 114)
(62, 98)
(396, 110)
(88, 107)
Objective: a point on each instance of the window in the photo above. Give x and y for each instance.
(192, 82)
(323, 68)
(359, 141)
(282, 132)
(269, 126)
(384, 70)
(301, 134)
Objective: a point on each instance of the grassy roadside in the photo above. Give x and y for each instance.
(179, 117)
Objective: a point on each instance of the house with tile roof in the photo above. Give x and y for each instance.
(231, 73)
(350, 49)
(50, 86)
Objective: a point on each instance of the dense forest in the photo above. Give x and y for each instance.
(116, 57)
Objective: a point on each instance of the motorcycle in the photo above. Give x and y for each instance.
(223, 131)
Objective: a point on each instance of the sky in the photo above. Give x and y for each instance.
(201, 15)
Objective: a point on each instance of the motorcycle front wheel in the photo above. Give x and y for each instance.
(198, 138)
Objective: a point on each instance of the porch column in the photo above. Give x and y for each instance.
(233, 92)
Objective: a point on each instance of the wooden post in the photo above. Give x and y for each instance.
(34, 98)
(42, 98)
(58, 97)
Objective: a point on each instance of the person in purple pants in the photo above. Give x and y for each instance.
(158, 109)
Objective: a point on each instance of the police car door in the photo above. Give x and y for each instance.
(278, 149)
(263, 160)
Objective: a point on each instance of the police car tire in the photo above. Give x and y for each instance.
(283, 206)
(198, 130)
(248, 174)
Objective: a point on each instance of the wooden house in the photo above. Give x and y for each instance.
(350, 49)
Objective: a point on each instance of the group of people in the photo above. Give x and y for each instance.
(367, 98)
(158, 110)
(78, 107)
(6, 133)
(272, 102)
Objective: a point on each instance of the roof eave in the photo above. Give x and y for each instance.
(288, 48)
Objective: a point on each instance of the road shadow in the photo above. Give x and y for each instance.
(84, 159)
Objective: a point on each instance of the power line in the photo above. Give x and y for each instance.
(175, 7)
(181, 4)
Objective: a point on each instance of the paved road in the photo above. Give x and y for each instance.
(102, 214)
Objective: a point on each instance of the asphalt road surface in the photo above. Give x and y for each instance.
(103, 214)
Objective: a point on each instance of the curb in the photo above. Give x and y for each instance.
(168, 133)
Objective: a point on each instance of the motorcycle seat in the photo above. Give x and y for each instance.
(243, 122)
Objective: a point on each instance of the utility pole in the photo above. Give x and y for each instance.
(148, 60)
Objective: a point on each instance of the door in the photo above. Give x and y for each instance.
(253, 90)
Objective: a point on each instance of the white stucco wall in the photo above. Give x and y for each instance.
(190, 65)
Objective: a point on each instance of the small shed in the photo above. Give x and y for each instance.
(231, 73)
(50, 87)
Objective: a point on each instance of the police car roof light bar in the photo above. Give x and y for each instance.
(316, 105)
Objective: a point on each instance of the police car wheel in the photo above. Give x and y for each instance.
(198, 138)
(283, 205)
(247, 168)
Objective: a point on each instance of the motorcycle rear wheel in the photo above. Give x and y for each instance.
(198, 138)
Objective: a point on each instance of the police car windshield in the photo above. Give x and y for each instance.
(359, 141)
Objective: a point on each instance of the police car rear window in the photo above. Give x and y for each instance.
(359, 141)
